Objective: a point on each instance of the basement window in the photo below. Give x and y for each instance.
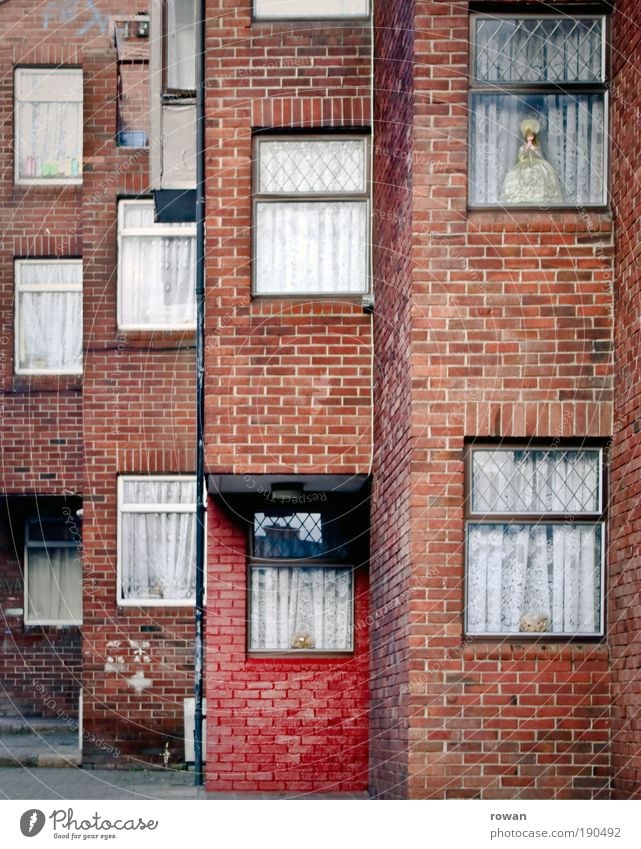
(48, 126)
(538, 110)
(53, 574)
(301, 582)
(535, 542)
(156, 540)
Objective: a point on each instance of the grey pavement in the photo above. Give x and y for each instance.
(76, 783)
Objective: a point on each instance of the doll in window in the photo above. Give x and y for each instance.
(532, 180)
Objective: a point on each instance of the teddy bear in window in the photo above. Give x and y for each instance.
(302, 640)
(534, 622)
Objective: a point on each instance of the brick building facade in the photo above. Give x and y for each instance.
(354, 445)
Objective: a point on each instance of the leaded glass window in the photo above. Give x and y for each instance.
(300, 582)
(538, 111)
(535, 541)
(311, 216)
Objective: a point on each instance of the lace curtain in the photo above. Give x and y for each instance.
(301, 607)
(157, 268)
(157, 545)
(316, 246)
(49, 317)
(157, 286)
(534, 578)
(54, 585)
(181, 45)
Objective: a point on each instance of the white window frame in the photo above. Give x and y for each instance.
(535, 518)
(55, 544)
(151, 508)
(292, 10)
(179, 230)
(175, 91)
(260, 198)
(42, 287)
(71, 180)
(521, 90)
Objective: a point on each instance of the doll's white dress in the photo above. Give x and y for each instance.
(531, 180)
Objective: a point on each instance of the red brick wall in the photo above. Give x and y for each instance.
(132, 411)
(138, 419)
(288, 380)
(288, 385)
(510, 336)
(278, 724)
(41, 417)
(391, 562)
(625, 515)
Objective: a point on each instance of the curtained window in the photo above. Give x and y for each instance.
(48, 126)
(180, 46)
(311, 216)
(534, 542)
(156, 270)
(53, 574)
(48, 316)
(300, 583)
(327, 9)
(156, 540)
(547, 76)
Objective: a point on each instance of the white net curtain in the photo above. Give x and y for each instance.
(311, 247)
(180, 28)
(571, 137)
(543, 575)
(301, 607)
(157, 270)
(49, 317)
(157, 540)
(54, 585)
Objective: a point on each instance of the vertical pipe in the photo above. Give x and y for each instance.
(199, 648)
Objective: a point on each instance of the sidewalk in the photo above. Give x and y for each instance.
(76, 783)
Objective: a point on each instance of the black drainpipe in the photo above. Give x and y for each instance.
(200, 391)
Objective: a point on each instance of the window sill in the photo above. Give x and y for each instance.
(291, 654)
(517, 207)
(530, 637)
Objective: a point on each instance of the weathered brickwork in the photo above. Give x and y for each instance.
(131, 412)
(390, 522)
(510, 336)
(625, 516)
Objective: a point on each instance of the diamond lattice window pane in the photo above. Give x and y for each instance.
(298, 536)
(553, 481)
(312, 167)
(530, 50)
